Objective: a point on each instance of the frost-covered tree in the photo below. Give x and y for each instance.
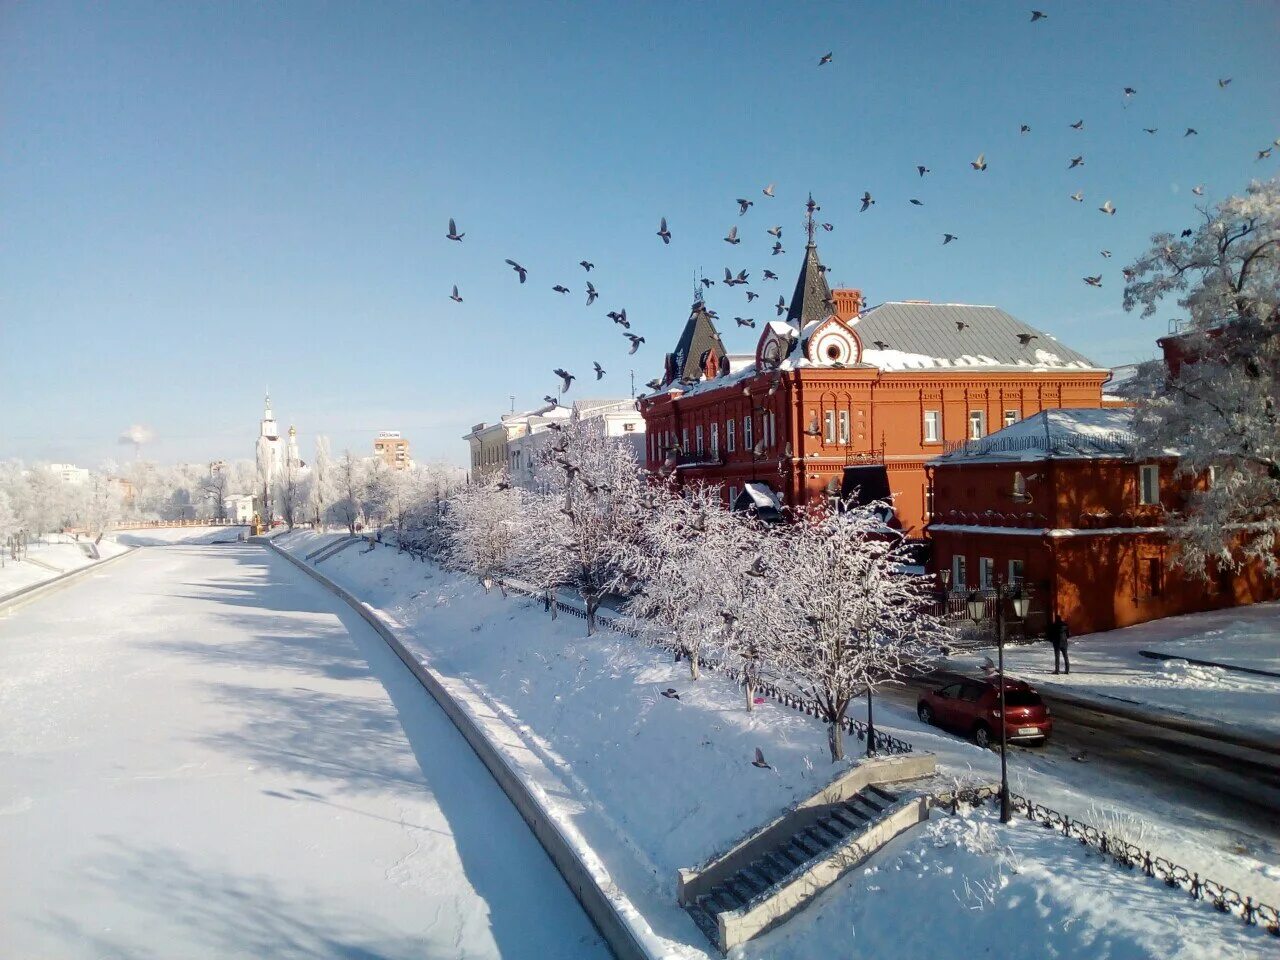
(1220, 409)
(348, 487)
(852, 617)
(483, 523)
(216, 487)
(292, 492)
(8, 525)
(376, 490)
(674, 559)
(321, 492)
(591, 510)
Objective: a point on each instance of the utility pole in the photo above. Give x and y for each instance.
(633, 384)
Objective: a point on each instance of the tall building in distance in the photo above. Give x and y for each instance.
(274, 456)
(392, 449)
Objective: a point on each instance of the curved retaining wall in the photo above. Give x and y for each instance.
(12, 601)
(604, 911)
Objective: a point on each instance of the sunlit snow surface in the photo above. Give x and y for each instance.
(205, 754)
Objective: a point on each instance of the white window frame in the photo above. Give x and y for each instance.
(684, 439)
(697, 433)
(828, 426)
(959, 571)
(1149, 474)
(729, 431)
(933, 426)
(928, 500)
(748, 433)
(842, 426)
(986, 573)
(977, 424)
(715, 441)
(1011, 417)
(770, 434)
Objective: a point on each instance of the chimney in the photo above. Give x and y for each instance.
(848, 304)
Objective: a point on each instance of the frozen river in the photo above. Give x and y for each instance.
(204, 754)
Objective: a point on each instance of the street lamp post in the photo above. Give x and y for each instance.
(977, 605)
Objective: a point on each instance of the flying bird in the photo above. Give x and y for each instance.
(1037, 15)
(1198, 190)
(1186, 233)
(745, 321)
(961, 326)
(1108, 208)
(586, 265)
(1078, 125)
(1078, 196)
(770, 275)
(777, 248)
(1026, 338)
(733, 236)
(1151, 129)
(781, 306)
(828, 227)
(551, 400)
(980, 163)
(948, 237)
(1264, 154)
(454, 296)
(768, 191)
(566, 377)
(1076, 162)
(744, 206)
(915, 202)
(1106, 254)
(759, 760)
(599, 369)
(880, 344)
(811, 207)
(707, 282)
(671, 694)
(453, 233)
(519, 269)
(619, 317)
(1129, 91)
(592, 293)
(752, 295)
(1192, 132)
(635, 342)
(826, 58)
(663, 232)
(775, 232)
(867, 201)
(922, 170)
(560, 288)
(1222, 83)
(1025, 128)
(757, 568)
(1094, 281)
(654, 384)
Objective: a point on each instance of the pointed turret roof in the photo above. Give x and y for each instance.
(812, 298)
(699, 336)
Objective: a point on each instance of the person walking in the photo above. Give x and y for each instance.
(1059, 634)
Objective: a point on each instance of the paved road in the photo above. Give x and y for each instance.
(204, 754)
(1221, 780)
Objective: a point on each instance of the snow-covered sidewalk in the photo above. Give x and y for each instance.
(52, 556)
(1110, 668)
(653, 783)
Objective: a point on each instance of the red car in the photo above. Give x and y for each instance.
(972, 707)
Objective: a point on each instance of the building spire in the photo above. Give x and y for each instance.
(810, 208)
(812, 298)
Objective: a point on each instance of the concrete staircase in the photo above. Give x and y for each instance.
(321, 554)
(774, 873)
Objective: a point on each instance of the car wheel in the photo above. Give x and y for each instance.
(982, 736)
(925, 714)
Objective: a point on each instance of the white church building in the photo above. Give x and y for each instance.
(274, 457)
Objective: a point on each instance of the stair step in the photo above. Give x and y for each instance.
(851, 805)
(769, 868)
(789, 856)
(725, 896)
(810, 848)
(830, 835)
(818, 836)
(750, 881)
(885, 794)
(864, 808)
(850, 821)
(739, 887)
(872, 800)
(706, 922)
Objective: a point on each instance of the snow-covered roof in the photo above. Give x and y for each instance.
(917, 335)
(761, 495)
(1053, 435)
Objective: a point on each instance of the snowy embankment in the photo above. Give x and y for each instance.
(652, 783)
(167, 536)
(51, 557)
(1110, 667)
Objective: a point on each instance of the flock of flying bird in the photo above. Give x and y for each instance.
(867, 201)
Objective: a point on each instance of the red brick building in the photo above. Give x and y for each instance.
(1060, 502)
(836, 397)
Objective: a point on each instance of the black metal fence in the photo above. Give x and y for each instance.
(1127, 855)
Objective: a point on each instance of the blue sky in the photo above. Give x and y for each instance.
(199, 200)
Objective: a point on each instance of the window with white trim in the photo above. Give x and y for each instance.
(1011, 417)
(986, 572)
(933, 426)
(730, 426)
(977, 424)
(829, 426)
(715, 441)
(684, 439)
(959, 572)
(1149, 484)
(697, 432)
(748, 441)
(843, 420)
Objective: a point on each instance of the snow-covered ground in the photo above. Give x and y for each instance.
(653, 784)
(205, 754)
(1110, 666)
(165, 536)
(51, 556)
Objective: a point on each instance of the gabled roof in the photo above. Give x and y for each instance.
(812, 297)
(1071, 434)
(931, 336)
(699, 336)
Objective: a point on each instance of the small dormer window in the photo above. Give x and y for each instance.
(833, 351)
